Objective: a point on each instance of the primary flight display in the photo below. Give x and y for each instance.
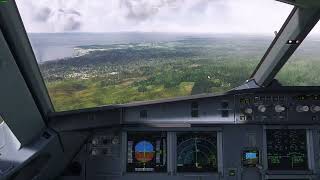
(146, 152)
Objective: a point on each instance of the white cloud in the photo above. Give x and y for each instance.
(215, 16)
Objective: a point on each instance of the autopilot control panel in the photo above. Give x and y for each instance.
(278, 108)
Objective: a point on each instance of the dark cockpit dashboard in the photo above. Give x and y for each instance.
(269, 133)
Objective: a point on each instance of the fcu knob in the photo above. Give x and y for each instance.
(95, 141)
(94, 152)
(248, 111)
(302, 108)
(315, 108)
(279, 108)
(262, 108)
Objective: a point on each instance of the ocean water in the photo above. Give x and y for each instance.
(53, 46)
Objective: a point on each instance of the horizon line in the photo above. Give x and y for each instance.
(164, 32)
(167, 32)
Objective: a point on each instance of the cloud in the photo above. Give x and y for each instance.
(70, 24)
(141, 10)
(70, 11)
(138, 10)
(42, 14)
(68, 20)
(39, 17)
(199, 16)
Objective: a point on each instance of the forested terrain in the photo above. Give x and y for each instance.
(123, 73)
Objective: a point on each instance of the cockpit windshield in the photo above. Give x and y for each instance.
(95, 53)
(303, 67)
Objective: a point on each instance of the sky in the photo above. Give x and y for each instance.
(195, 16)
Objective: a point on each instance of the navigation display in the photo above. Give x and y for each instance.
(287, 149)
(146, 152)
(197, 152)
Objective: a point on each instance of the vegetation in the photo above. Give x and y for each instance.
(123, 73)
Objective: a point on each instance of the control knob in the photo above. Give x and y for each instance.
(95, 141)
(262, 108)
(302, 108)
(315, 109)
(94, 152)
(248, 111)
(279, 108)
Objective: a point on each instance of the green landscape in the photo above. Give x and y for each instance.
(122, 73)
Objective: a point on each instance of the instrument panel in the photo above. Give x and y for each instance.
(235, 136)
(206, 151)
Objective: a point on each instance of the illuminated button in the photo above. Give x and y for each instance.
(279, 108)
(302, 108)
(262, 108)
(315, 108)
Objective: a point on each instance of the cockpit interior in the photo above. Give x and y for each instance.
(261, 129)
